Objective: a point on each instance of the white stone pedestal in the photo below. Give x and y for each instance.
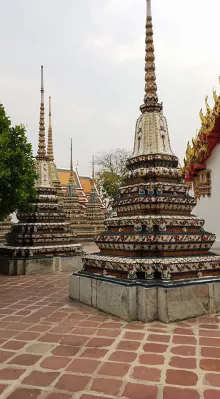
(39, 265)
(167, 301)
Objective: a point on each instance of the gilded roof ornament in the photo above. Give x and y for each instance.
(201, 144)
(208, 109)
(215, 96)
(203, 118)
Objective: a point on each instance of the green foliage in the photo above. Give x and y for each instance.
(17, 168)
(112, 168)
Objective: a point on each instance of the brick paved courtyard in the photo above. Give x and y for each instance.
(53, 348)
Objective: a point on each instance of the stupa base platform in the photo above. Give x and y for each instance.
(4, 229)
(147, 301)
(39, 265)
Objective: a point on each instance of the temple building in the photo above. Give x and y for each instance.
(42, 240)
(154, 261)
(75, 211)
(202, 165)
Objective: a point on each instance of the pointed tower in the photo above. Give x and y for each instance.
(41, 153)
(71, 206)
(41, 158)
(152, 240)
(42, 240)
(53, 175)
(50, 155)
(71, 178)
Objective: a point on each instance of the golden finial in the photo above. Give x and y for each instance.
(50, 156)
(41, 153)
(150, 99)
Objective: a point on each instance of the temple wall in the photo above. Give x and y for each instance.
(208, 208)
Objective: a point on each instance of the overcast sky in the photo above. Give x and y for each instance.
(93, 57)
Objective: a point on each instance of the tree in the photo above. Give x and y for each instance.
(111, 172)
(17, 168)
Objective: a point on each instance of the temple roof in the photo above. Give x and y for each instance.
(84, 182)
(205, 141)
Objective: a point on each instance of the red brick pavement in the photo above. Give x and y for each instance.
(52, 348)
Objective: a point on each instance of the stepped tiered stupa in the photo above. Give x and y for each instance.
(71, 206)
(95, 212)
(152, 242)
(42, 239)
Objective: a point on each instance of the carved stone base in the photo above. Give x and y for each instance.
(167, 301)
(39, 265)
(5, 227)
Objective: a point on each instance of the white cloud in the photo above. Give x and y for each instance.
(107, 48)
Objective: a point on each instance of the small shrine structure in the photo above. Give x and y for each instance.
(83, 185)
(79, 182)
(202, 165)
(75, 212)
(41, 241)
(154, 261)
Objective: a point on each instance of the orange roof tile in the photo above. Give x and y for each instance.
(86, 182)
(63, 176)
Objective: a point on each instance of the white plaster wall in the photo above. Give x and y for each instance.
(209, 208)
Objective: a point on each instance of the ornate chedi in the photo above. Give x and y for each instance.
(95, 213)
(152, 234)
(195, 170)
(44, 232)
(71, 206)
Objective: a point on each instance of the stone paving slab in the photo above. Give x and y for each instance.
(53, 348)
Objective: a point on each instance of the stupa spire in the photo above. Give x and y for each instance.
(93, 169)
(150, 99)
(71, 178)
(50, 155)
(41, 153)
